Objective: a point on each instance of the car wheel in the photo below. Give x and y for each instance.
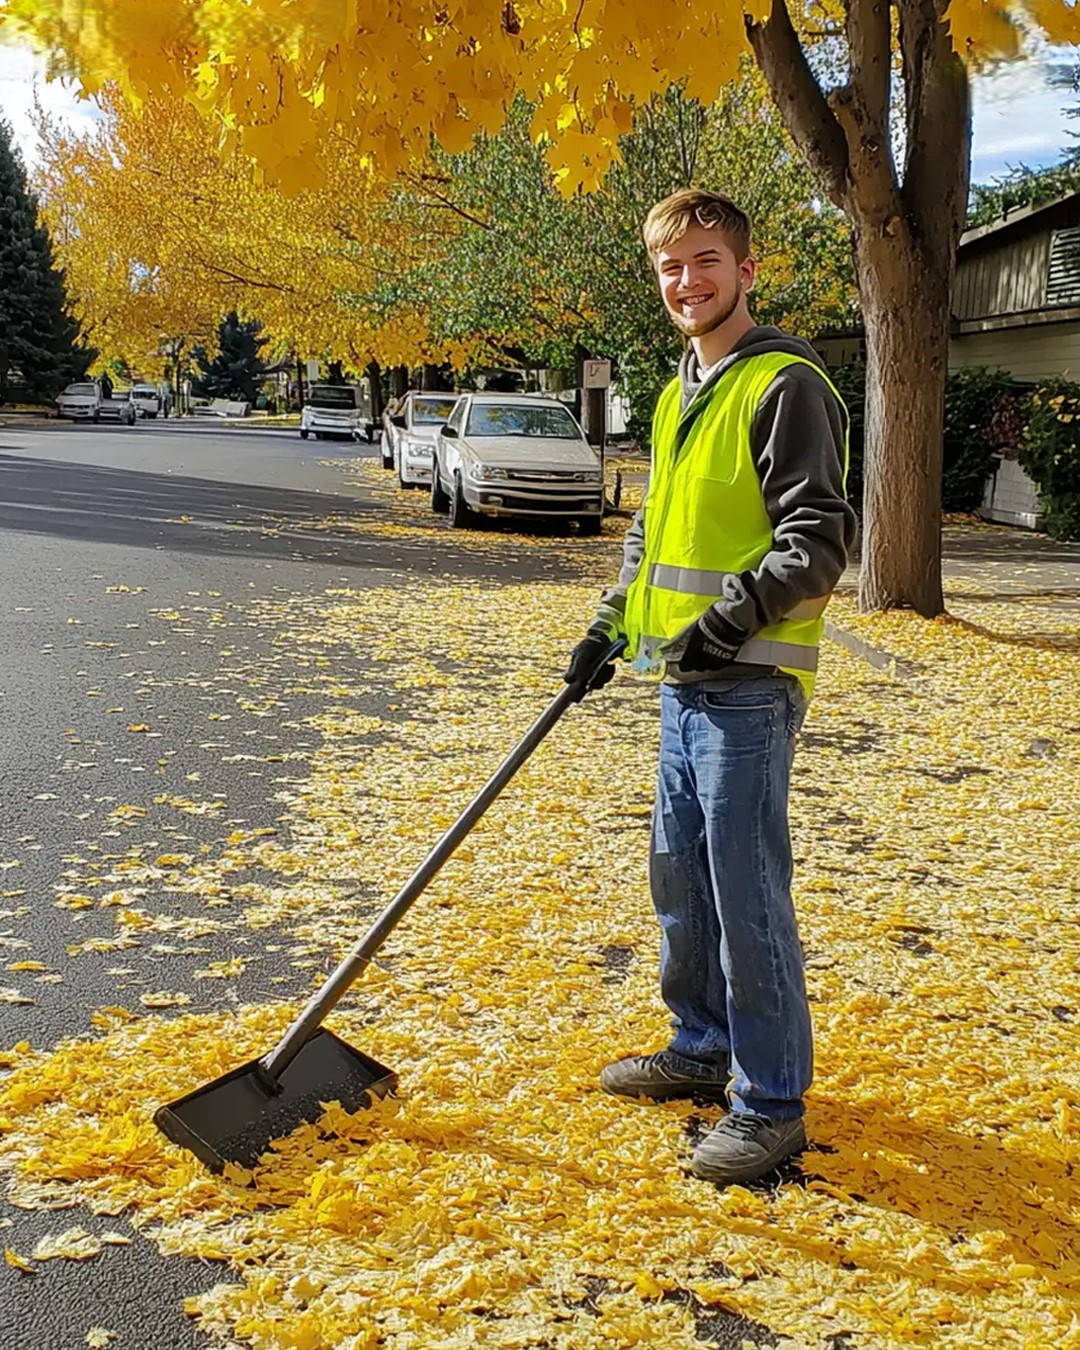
(152, 416)
(96, 417)
(589, 525)
(386, 453)
(371, 435)
(461, 517)
(304, 433)
(440, 502)
(320, 436)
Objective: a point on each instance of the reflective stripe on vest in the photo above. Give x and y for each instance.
(702, 581)
(706, 521)
(756, 652)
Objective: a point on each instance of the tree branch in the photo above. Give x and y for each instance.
(245, 281)
(797, 95)
(442, 203)
(938, 125)
(862, 109)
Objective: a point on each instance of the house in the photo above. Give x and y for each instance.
(1016, 305)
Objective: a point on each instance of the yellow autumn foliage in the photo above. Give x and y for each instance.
(284, 82)
(503, 1200)
(160, 233)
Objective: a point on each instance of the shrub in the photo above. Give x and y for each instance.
(974, 424)
(976, 403)
(1049, 452)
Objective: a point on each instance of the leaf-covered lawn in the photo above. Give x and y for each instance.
(503, 1201)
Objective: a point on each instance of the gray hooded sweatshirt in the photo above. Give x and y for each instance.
(797, 441)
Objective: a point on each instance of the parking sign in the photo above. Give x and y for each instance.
(595, 374)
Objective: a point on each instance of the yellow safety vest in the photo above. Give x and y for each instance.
(705, 518)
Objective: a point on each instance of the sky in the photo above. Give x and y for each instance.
(1017, 116)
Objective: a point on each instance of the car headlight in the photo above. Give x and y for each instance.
(592, 476)
(417, 447)
(489, 472)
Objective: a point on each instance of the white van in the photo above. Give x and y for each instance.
(147, 399)
(334, 411)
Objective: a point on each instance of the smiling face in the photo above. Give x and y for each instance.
(702, 283)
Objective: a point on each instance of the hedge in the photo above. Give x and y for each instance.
(977, 423)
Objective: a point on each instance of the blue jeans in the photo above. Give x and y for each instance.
(731, 967)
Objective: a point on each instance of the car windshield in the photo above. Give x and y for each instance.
(427, 412)
(144, 391)
(79, 389)
(522, 419)
(331, 396)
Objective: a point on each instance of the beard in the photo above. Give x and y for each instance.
(692, 328)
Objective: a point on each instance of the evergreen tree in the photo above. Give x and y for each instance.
(238, 368)
(40, 346)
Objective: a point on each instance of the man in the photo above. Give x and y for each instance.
(726, 573)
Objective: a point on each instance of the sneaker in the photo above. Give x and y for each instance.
(663, 1077)
(744, 1147)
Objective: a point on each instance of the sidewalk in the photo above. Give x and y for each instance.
(1001, 559)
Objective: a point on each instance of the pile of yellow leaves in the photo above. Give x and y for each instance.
(504, 1201)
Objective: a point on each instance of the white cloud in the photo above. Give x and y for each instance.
(1018, 117)
(22, 74)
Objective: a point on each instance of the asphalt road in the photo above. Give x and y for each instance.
(131, 561)
(101, 530)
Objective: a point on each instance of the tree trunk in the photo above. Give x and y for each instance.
(374, 373)
(399, 381)
(906, 310)
(907, 220)
(433, 379)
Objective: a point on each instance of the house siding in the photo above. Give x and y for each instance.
(1006, 272)
(1008, 279)
(1032, 353)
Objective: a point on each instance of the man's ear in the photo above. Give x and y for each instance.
(748, 273)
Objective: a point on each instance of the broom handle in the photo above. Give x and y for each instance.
(353, 966)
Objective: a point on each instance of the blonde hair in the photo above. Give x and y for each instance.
(670, 219)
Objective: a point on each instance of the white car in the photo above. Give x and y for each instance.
(80, 401)
(507, 454)
(412, 432)
(117, 408)
(336, 411)
(147, 400)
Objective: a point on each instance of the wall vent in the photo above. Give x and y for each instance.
(1063, 277)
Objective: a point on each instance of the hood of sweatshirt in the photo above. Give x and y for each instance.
(756, 341)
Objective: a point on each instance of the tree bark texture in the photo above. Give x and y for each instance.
(907, 344)
(374, 379)
(906, 220)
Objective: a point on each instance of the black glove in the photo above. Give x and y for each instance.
(712, 642)
(584, 657)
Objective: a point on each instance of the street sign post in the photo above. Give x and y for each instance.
(595, 382)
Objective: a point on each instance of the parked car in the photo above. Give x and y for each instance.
(336, 412)
(147, 400)
(513, 454)
(412, 430)
(80, 401)
(118, 407)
